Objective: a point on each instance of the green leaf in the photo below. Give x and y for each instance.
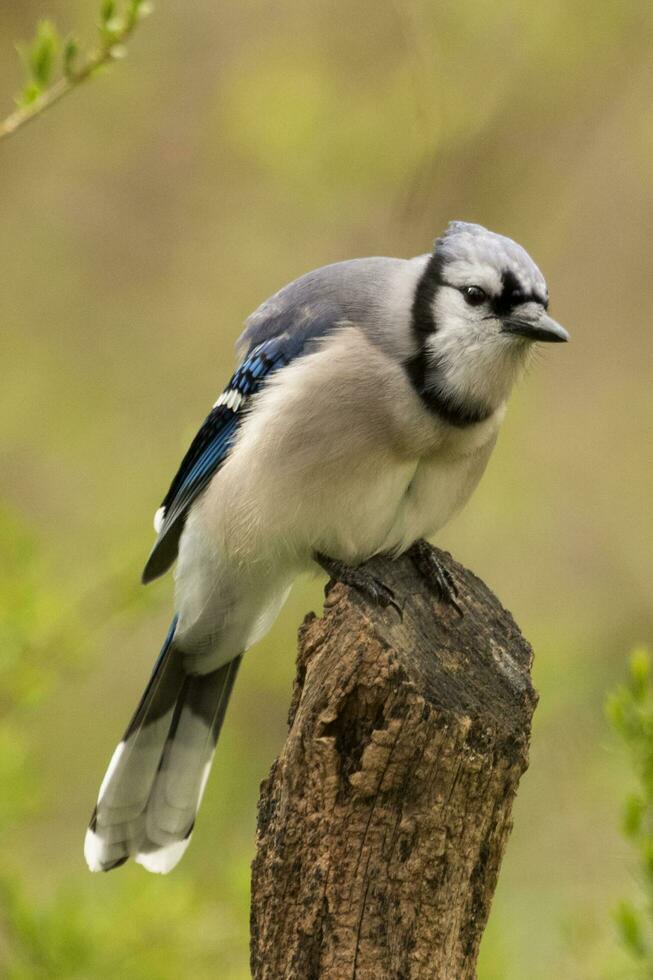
(640, 673)
(619, 710)
(633, 813)
(107, 10)
(630, 711)
(70, 52)
(29, 95)
(630, 929)
(43, 52)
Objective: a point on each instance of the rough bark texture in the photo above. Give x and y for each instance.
(383, 822)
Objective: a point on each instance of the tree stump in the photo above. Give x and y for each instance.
(382, 824)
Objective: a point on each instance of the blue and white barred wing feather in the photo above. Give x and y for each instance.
(207, 452)
(275, 337)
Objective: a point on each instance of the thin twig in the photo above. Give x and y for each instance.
(110, 50)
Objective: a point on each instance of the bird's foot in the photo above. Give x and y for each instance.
(368, 585)
(431, 568)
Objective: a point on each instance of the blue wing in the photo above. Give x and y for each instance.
(208, 451)
(211, 445)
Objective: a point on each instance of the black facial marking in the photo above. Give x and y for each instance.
(444, 406)
(512, 294)
(423, 321)
(447, 407)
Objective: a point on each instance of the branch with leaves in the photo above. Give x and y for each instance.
(55, 65)
(630, 710)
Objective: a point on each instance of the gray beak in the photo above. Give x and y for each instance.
(544, 329)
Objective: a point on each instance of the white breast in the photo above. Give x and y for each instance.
(441, 486)
(339, 455)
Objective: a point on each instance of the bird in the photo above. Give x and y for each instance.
(364, 408)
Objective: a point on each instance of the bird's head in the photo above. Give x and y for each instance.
(479, 307)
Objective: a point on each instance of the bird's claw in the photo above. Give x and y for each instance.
(436, 574)
(372, 588)
(375, 591)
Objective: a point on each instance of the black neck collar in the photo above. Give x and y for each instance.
(423, 322)
(450, 409)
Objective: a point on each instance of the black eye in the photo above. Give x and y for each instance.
(474, 295)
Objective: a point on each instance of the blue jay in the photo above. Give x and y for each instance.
(361, 417)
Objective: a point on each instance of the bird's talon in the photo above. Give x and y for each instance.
(374, 590)
(439, 577)
(382, 595)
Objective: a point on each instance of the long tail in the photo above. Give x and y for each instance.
(153, 787)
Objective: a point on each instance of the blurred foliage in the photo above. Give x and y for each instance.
(143, 933)
(67, 936)
(630, 710)
(141, 223)
(48, 80)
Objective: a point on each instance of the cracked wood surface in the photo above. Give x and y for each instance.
(382, 823)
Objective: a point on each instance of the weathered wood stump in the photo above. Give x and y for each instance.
(383, 822)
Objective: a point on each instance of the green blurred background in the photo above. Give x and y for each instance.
(241, 144)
